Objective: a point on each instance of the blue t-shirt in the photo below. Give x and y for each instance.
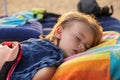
(37, 54)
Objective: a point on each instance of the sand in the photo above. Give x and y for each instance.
(54, 6)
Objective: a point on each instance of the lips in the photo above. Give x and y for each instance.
(76, 51)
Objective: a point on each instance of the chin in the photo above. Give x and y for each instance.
(68, 55)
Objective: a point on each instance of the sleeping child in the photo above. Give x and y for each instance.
(73, 33)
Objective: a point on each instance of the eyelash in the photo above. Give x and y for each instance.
(78, 39)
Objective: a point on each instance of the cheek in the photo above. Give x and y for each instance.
(69, 44)
(68, 41)
(65, 42)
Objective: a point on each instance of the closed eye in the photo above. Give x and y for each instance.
(78, 38)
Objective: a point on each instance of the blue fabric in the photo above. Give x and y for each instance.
(36, 55)
(11, 22)
(23, 32)
(114, 64)
(48, 22)
(33, 25)
(19, 19)
(15, 20)
(109, 23)
(25, 15)
(47, 27)
(17, 34)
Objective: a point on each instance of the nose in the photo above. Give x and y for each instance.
(81, 47)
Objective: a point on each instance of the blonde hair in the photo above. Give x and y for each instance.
(72, 16)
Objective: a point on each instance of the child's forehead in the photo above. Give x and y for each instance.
(71, 22)
(78, 26)
(76, 22)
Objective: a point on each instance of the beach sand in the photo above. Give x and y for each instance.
(54, 6)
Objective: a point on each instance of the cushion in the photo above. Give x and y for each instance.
(17, 34)
(21, 26)
(101, 62)
(109, 23)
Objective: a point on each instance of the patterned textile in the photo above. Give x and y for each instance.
(21, 18)
(101, 62)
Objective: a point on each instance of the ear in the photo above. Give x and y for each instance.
(58, 32)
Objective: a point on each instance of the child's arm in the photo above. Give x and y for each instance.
(45, 73)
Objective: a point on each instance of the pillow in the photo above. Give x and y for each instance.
(101, 62)
(14, 28)
(17, 34)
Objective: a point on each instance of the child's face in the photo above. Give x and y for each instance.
(75, 37)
